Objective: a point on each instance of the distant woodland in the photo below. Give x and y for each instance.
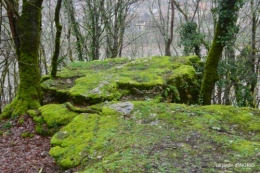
(39, 37)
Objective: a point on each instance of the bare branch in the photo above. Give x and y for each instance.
(181, 11)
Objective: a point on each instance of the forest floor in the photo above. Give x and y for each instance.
(22, 150)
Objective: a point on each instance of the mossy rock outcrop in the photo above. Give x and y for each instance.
(121, 79)
(148, 136)
(118, 116)
(51, 117)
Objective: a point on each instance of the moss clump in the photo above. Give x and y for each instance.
(27, 135)
(51, 117)
(21, 120)
(56, 114)
(244, 147)
(45, 77)
(33, 113)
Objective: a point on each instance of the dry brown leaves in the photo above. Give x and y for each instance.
(24, 155)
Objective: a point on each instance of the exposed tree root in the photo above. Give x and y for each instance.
(82, 110)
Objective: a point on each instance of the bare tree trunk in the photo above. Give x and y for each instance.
(165, 24)
(219, 94)
(69, 52)
(75, 28)
(10, 89)
(114, 25)
(54, 60)
(94, 23)
(231, 57)
(44, 61)
(253, 82)
(1, 22)
(168, 41)
(12, 17)
(2, 86)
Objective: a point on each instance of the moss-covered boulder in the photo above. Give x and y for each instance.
(49, 118)
(118, 116)
(174, 78)
(160, 137)
(56, 114)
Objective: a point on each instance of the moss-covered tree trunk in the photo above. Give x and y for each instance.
(225, 28)
(54, 60)
(29, 29)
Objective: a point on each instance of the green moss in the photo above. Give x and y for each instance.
(109, 111)
(56, 115)
(27, 135)
(21, 120)
(244, 147)
(119, 78)
(158, 137)
(22, 102)
(45, 77)
(20, 108)
(81, 69)
(39, 129)
(33, 113)
(8, 109)
(254, 126)
(154, 136)
(192, 59)
(95, 88)
(82, 138)
(243, 117)
(38, 119)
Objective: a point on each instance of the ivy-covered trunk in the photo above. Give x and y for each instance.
(226, 27)
(29, 29)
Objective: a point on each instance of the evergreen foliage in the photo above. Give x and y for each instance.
(191, 39)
